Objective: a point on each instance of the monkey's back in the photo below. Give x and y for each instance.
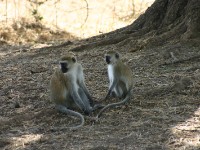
(124, 72)
(58, 88)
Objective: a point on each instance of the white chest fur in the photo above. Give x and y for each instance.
(110, 74)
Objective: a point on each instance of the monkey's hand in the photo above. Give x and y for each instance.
(88, 111)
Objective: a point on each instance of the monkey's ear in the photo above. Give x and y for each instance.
(117, 55)
(73, 59)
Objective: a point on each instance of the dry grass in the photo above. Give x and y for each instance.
(27, 31)
(65, 20)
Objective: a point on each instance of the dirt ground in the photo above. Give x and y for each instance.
(163, 112)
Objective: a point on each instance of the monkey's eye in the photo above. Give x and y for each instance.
(73, 59)
(117, 55)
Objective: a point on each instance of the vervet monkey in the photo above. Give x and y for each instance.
(120, 78)
(68, 90)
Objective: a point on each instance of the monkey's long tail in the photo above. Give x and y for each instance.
(114, 104)
(66, 111)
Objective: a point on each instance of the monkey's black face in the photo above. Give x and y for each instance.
(64, 68)
(108, 59)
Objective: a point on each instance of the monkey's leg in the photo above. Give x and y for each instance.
(122, 90)
(111, 89)
(69, 112)
(76, 96)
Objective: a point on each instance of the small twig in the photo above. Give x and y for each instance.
(87, 7)
(40, 71)
(173, 56)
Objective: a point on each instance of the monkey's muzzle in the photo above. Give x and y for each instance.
(64, 68)
(108, 59)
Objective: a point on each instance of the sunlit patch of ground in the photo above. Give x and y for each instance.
(65, 20)
(187, 133)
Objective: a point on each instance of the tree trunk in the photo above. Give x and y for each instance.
(179, 18)
(165, 21)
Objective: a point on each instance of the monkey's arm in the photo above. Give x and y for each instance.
(111, 88)
(79, 102)
(83, 86)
